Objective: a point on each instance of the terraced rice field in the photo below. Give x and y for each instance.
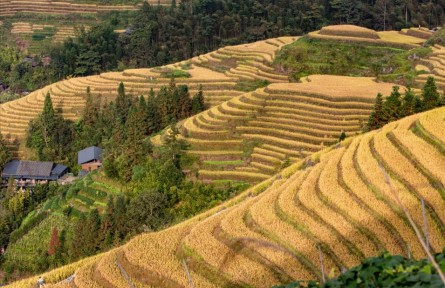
(11, 7)
(281, 123)
(351, 33)
(68, 95)
(435, 64)
(272, 233)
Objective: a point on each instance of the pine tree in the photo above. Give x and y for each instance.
(392, 106)
(185, 103)
(91, 111)
(198, 104)
(430, 95)
(92, 225)
(153, 118)
(123, 103)
(48, 120)
(408, 104)
(376, 118)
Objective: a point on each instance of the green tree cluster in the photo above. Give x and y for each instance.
(395, 106)
(51, 135)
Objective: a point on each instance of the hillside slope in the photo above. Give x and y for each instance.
(63, 7)
(336, 201)
(218, 72)
(251, 137)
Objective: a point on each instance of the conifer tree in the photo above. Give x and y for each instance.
(408, 105)
(392, 105)
(376, 118)
(123, 103)
(430, 95)
(185, 103)
(153, 118)
(198, 104)
(47, 120)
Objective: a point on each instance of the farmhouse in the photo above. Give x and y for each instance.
(30, 173)
(90, 158)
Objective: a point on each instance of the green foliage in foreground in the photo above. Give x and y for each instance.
(385, 271)
(313, 56)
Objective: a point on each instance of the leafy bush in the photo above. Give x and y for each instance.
(386, 271)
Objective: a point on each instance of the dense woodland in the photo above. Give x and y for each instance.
(157, 35)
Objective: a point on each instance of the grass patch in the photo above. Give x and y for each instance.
(248, 86)
(175, 73)
(315, 56)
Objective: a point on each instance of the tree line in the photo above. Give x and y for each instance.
(122, 126)
(396, 107)
(157, 35)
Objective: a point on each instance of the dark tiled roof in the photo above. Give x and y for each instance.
(89, 154)
(59, 169)
(31, 168)
(10, 168)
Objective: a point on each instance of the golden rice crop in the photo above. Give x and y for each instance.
(349, 31)
(375, 176)
(352, 179)
(429, 157)
(337, 87)
(109, 270)
(396, 37)
(239, 267)
(159, 250)
(401, 166)
(236, 228)
(309, 225)
(264, 214)
(433, 119)
(333, 193)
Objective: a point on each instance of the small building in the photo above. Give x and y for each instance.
(90, 158)
(30, 173)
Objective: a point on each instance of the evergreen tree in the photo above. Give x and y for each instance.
(430, 95)
(185, 103)
(92, 225)
(47, 120)
(408, 105)
(153, 117)
(392, 106)
(198, 104)
(123, 103)
(375, 120)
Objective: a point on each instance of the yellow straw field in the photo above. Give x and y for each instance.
(335, 202)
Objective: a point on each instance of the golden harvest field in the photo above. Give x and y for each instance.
(351, 33)
(283, 122)
(68, 96)
(335, 201)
